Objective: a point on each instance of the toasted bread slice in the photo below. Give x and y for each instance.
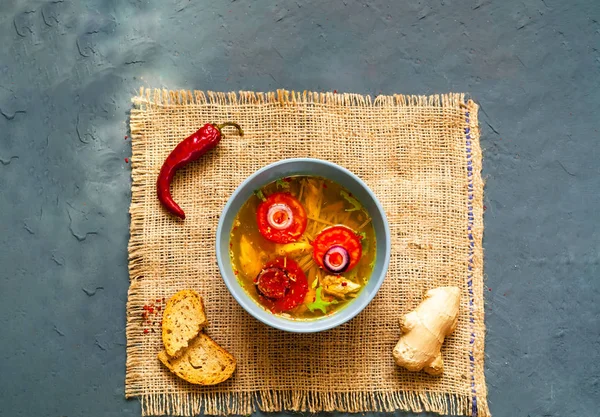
(183, 319)
(204, 362)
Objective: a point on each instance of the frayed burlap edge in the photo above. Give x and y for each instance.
(244, 403)
(282, 97)
(478, 402)
(190, 404)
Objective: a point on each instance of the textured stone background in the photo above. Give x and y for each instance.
(69, 68)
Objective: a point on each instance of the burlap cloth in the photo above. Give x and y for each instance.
(421, 157)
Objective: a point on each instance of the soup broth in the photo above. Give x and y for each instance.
(331, 213)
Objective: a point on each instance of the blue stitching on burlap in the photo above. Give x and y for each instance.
(470, 219)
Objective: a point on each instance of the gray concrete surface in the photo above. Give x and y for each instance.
(69, 68)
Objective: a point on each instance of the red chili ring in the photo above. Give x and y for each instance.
(273, 283)
(298, 286)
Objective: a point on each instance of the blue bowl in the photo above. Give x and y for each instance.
(316, 167)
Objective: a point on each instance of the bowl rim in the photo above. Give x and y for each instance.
(318, 325)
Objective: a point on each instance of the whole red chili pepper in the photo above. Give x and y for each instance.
(188, 150)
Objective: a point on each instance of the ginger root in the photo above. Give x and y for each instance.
(424, 330)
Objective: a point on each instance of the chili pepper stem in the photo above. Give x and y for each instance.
(239, 129)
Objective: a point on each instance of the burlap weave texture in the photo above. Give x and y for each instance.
(421, 157)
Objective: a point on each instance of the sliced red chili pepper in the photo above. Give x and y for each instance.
(273, 283)
(337, 236)
(294, 294)
(281, 218)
